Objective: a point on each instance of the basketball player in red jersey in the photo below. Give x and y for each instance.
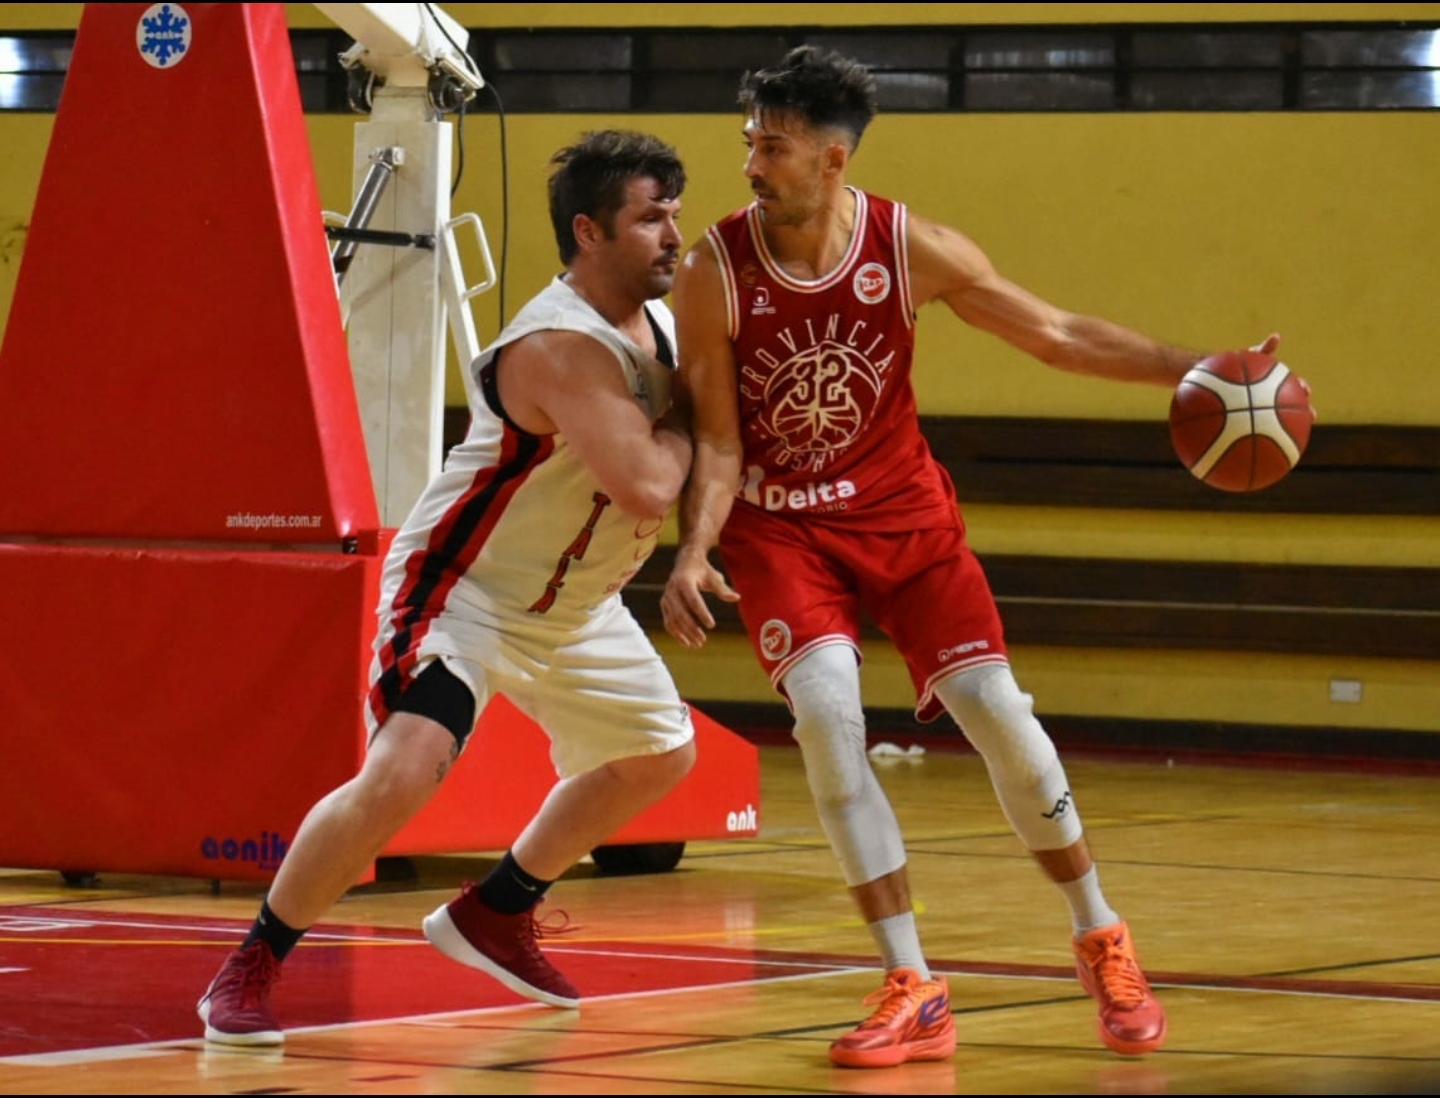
(796, 324)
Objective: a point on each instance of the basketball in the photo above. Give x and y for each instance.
(1240, 420)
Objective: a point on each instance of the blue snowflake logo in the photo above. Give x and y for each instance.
(163, 35)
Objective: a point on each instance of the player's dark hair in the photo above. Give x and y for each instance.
(825, 88)
(591, 176)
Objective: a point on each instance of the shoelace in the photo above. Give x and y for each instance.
(255, 974)
(1120, 976)
(556, 924)
(892, 1000)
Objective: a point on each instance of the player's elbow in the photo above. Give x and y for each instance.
(1054, 347)
(649, 497)
(645, 479)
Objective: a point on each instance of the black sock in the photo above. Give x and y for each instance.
(509, 889)
(268, 928)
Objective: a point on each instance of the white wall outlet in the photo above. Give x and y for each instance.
(1345, 690)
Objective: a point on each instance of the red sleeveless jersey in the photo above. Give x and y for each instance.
(827, 405)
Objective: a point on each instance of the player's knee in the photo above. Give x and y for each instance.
(832, 745)
(828, 729)
(678, 763)
(824, 693)
(406, 761)
(440, 695)
(825, 703)
(835, 770)
(653, 776)
(998, 719)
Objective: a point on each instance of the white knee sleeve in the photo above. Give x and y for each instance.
(824, 693)
(1024, 768)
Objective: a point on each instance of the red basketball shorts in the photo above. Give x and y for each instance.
(804, 584)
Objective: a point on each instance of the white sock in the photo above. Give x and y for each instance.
(899, 942)
(1088, 908)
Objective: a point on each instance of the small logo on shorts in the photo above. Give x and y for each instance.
(775, 639)
(948, 654)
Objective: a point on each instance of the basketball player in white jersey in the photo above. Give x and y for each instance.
(506, 579)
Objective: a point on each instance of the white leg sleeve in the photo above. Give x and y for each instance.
(824, 693)
(1025, 770)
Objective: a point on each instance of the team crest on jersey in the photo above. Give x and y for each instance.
(775, 639)
(872, 284)
(818, 401)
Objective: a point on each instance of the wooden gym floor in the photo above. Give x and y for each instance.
(1289, 917)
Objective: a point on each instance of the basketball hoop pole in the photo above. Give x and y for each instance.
(397, 267)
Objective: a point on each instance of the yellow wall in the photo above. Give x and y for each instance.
(1205, 229)
(1208, 230)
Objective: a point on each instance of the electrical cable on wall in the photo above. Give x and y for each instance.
(459, 108)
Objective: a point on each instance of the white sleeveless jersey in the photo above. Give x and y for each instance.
(515, 531)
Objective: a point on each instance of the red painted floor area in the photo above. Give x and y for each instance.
(71, 982)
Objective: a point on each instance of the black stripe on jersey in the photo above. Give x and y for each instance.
(452, 548)
(490, 390)
(663, 350)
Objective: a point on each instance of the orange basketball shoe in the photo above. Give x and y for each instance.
(912, 1022)
(1131, 1020)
